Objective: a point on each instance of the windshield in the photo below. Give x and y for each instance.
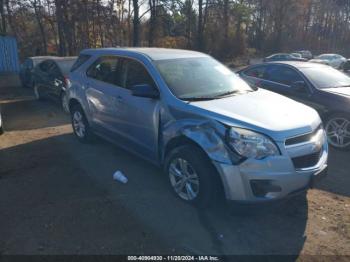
(200, 78)
(326, 77)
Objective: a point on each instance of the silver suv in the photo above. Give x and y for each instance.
(208, 129)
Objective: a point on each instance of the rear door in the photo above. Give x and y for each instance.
(41, 76)
(103, 94)
(56, 80)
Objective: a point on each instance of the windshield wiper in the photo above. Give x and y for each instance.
(229, 93)
(197, 98)
(218, 96)
(343, 86)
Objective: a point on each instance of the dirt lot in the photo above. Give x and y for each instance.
(57, 196)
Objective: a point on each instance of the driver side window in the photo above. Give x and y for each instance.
(134, 73)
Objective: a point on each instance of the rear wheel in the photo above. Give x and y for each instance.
(338, 131)
(192, 176)
(80, 125)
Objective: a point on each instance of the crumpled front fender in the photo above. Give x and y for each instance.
(207, 134)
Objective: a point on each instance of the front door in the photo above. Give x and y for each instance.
(139, 120)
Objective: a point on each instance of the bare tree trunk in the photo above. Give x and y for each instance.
(200, 25)
(226, 20)
(60, 24)
(10, 21)
(3, 18)
(38, 17)
(99, 18)
(136, 24)
(152, 22)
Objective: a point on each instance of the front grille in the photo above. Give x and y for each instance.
(307, 160)
(302, 138)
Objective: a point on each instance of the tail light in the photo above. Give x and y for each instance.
(67, 82)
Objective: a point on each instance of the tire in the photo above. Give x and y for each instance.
(64, 102)
(1, 130)
(37, 93)
(80, 125)
(205, 185)
(337, 127)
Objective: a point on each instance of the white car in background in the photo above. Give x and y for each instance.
(333, 60)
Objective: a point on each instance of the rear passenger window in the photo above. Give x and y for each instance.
(282, 75)
(44, 66)
(81, 60)
(104, 69)
(134, 73)
(257, 72)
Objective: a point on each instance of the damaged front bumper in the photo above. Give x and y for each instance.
(268, 179)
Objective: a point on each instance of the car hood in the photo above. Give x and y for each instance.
(263, 111)
(345, 91)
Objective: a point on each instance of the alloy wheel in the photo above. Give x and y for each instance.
(36, 92)
(184, 179)
(78, 124)
(338, 132)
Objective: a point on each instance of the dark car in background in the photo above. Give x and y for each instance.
(282, 57)
(346, 66)
(51, 79)
(319, 86)
(27, 69)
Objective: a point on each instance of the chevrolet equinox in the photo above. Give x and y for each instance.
(207, 128)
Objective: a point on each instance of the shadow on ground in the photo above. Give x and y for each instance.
(58, 197)
(338, 178)
(30, 114)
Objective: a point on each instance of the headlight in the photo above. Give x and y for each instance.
(250, 144)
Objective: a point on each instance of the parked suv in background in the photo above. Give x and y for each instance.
(27, 69)
(319, 86)
(204, 125)
(51, 79)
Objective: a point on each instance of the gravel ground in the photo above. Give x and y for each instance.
(57, 196)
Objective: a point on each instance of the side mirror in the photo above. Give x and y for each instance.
(299, 86)
(144, 90)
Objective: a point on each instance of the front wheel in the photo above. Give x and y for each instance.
(192, 176)
(64, 102)
(80, 125)
(338, 131)
(38, 95)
